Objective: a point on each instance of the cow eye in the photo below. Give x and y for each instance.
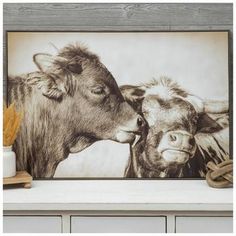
(98, 90)
(195, 119)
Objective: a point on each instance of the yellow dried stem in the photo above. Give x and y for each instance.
(11, 124)
(4, 107)
(8, 115)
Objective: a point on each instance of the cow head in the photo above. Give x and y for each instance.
(85, 94)
(174, 118)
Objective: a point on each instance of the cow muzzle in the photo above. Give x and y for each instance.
(132, 131)
(177, 146)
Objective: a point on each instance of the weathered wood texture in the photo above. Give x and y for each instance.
(118, 17)
(47, 16)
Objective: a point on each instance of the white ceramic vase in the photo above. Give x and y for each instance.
(9, 162)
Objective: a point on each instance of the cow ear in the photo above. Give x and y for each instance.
(213, 123)
(134, 95)
(45, 61)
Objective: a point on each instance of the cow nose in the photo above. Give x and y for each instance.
(181, 140)
(140, 122)
(174, 139)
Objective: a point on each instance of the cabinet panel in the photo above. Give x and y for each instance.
(114, 224)
(204, 224)
(31, 224)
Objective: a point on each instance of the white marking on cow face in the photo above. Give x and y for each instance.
(154, 112)
(150, 111)
(163, 92)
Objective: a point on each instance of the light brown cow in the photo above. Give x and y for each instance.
(69, 103)
(184, 132)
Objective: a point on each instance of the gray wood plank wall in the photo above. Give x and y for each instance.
(118, 17)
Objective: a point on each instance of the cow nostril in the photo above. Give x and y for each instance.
(173, 138)
(140, 122)
(192, 141)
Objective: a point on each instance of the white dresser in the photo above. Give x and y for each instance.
(117, 206)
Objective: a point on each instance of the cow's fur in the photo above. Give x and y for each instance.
(210, 146)
(60, 102)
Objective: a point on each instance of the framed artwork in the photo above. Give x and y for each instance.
(124, 105)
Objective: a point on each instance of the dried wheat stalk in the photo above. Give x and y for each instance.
(11, 124)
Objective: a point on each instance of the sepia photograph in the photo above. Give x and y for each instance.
(119, 104)
(118, 117)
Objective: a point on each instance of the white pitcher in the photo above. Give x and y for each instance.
(9, 162)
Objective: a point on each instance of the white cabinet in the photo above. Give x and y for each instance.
(32, 224)
(204, 224)
(114, 224)
(156, 206)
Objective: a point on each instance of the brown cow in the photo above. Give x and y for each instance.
(69, 103)
(184, 131)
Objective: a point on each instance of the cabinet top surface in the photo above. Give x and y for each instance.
(181, 195)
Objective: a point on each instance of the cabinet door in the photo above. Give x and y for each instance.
(198, 224)
(114, 224)
(32, 224)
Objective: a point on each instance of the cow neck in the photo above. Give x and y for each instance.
(136, 153)
(39, 148)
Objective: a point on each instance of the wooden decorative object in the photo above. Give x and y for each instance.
(22, 177)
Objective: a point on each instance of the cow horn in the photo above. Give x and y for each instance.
(219, 107)
(208, 106)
